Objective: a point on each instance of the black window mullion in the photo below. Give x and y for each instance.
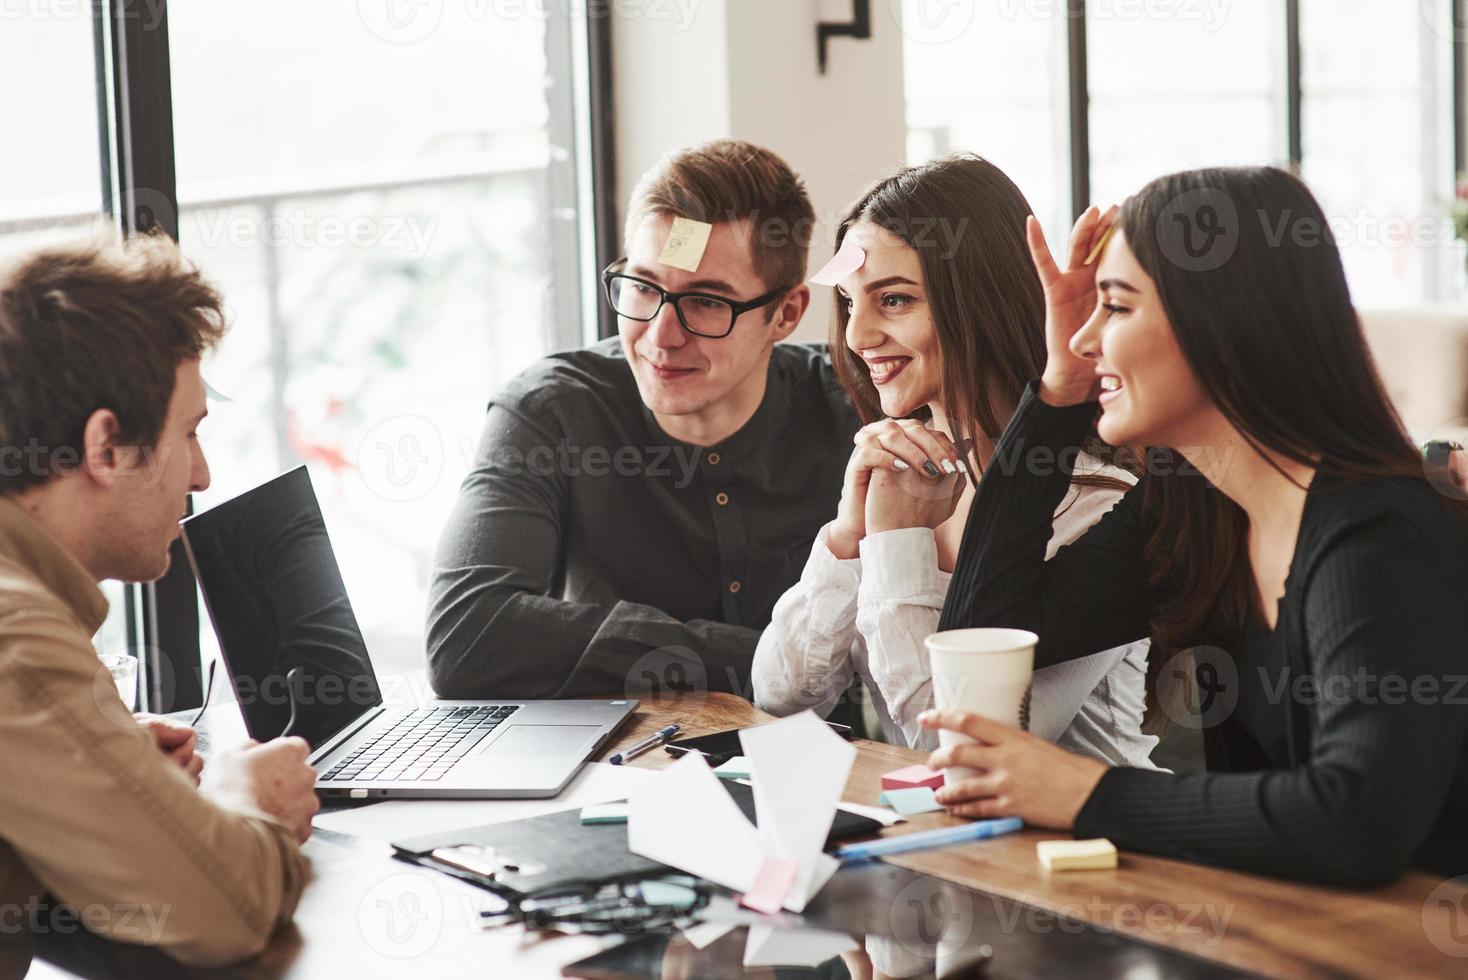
(1294, 92)
(104, 114)
(1459, 14)
(1080, 107)
(606, 233)
(147, 198)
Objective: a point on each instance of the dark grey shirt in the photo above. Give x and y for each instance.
(592, 554)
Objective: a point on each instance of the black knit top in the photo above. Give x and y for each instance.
(1334, 742)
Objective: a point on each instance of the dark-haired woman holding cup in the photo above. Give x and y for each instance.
(1284, 548)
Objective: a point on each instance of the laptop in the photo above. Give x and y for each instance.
(299, 666)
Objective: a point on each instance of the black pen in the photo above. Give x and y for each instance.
(651, 742)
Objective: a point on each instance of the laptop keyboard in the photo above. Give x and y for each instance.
(422, 745)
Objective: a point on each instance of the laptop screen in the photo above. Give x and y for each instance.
(275, 594)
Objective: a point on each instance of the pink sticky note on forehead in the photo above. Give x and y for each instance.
(842, 264)
(771, 885)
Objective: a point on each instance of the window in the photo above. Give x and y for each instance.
(991, 79)
(1378, 143)
(372, 195)
(1195, 87)
(50, 158)
(51, 177)
(1175, 84)
(397, 202)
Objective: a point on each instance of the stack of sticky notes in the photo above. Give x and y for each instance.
(1077, 855)
(913, 777)
(912, 801)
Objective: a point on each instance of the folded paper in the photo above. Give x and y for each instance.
(687, 240)
(705, 934)
(771, 885)
(684, 817)
(847, 260)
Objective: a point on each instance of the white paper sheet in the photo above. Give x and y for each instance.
(884, 816)
(768, 946)
(705, 934)
(684, 818)
(397, 819)
(799, 768)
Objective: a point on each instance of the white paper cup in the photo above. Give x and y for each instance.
(982, 671)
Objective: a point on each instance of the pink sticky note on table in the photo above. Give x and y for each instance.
(771, 885)
(912, 777)
(846, 261)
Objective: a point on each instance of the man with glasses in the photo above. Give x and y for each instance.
(637, 507)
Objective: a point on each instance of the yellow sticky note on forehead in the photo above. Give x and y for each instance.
(686, 242)
(1100, 244)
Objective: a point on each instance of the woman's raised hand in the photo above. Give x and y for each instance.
(1070, 300)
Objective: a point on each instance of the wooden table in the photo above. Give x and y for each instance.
(1254, 923)
(367, 915)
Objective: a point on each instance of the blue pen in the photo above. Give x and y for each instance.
(979, 830)
(651, 742)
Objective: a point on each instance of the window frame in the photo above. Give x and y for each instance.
(136, 161)
(1079, 108)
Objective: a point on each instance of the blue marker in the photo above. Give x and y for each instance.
(979, 830)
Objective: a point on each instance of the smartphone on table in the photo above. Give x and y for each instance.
(720, 747)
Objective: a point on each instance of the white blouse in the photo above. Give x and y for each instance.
(870, 615)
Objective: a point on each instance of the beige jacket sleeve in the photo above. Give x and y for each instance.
(111, 827)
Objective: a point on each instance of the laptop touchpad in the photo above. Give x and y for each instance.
(524, 741)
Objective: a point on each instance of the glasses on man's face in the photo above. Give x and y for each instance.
(703, 314)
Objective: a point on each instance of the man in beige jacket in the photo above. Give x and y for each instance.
(100, 400)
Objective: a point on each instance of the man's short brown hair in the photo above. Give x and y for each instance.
(92, 325)
(730, 180)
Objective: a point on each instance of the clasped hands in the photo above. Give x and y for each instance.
(902, 474)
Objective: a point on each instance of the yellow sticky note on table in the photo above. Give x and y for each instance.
(687, 240)
(1077, 855)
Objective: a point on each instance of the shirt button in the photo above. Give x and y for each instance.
(734, 586)
(713, 459)
(723, 499)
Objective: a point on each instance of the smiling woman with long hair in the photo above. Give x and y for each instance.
(935, 335)
(1284, 546)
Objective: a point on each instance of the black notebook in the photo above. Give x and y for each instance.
(557, 849)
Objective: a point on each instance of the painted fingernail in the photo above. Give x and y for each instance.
(949, 468)
(929, 468)
(900, 465)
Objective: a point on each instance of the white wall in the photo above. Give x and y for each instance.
(747, 69)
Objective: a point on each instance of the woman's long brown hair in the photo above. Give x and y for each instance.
(965, 219)
(1256, 294)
